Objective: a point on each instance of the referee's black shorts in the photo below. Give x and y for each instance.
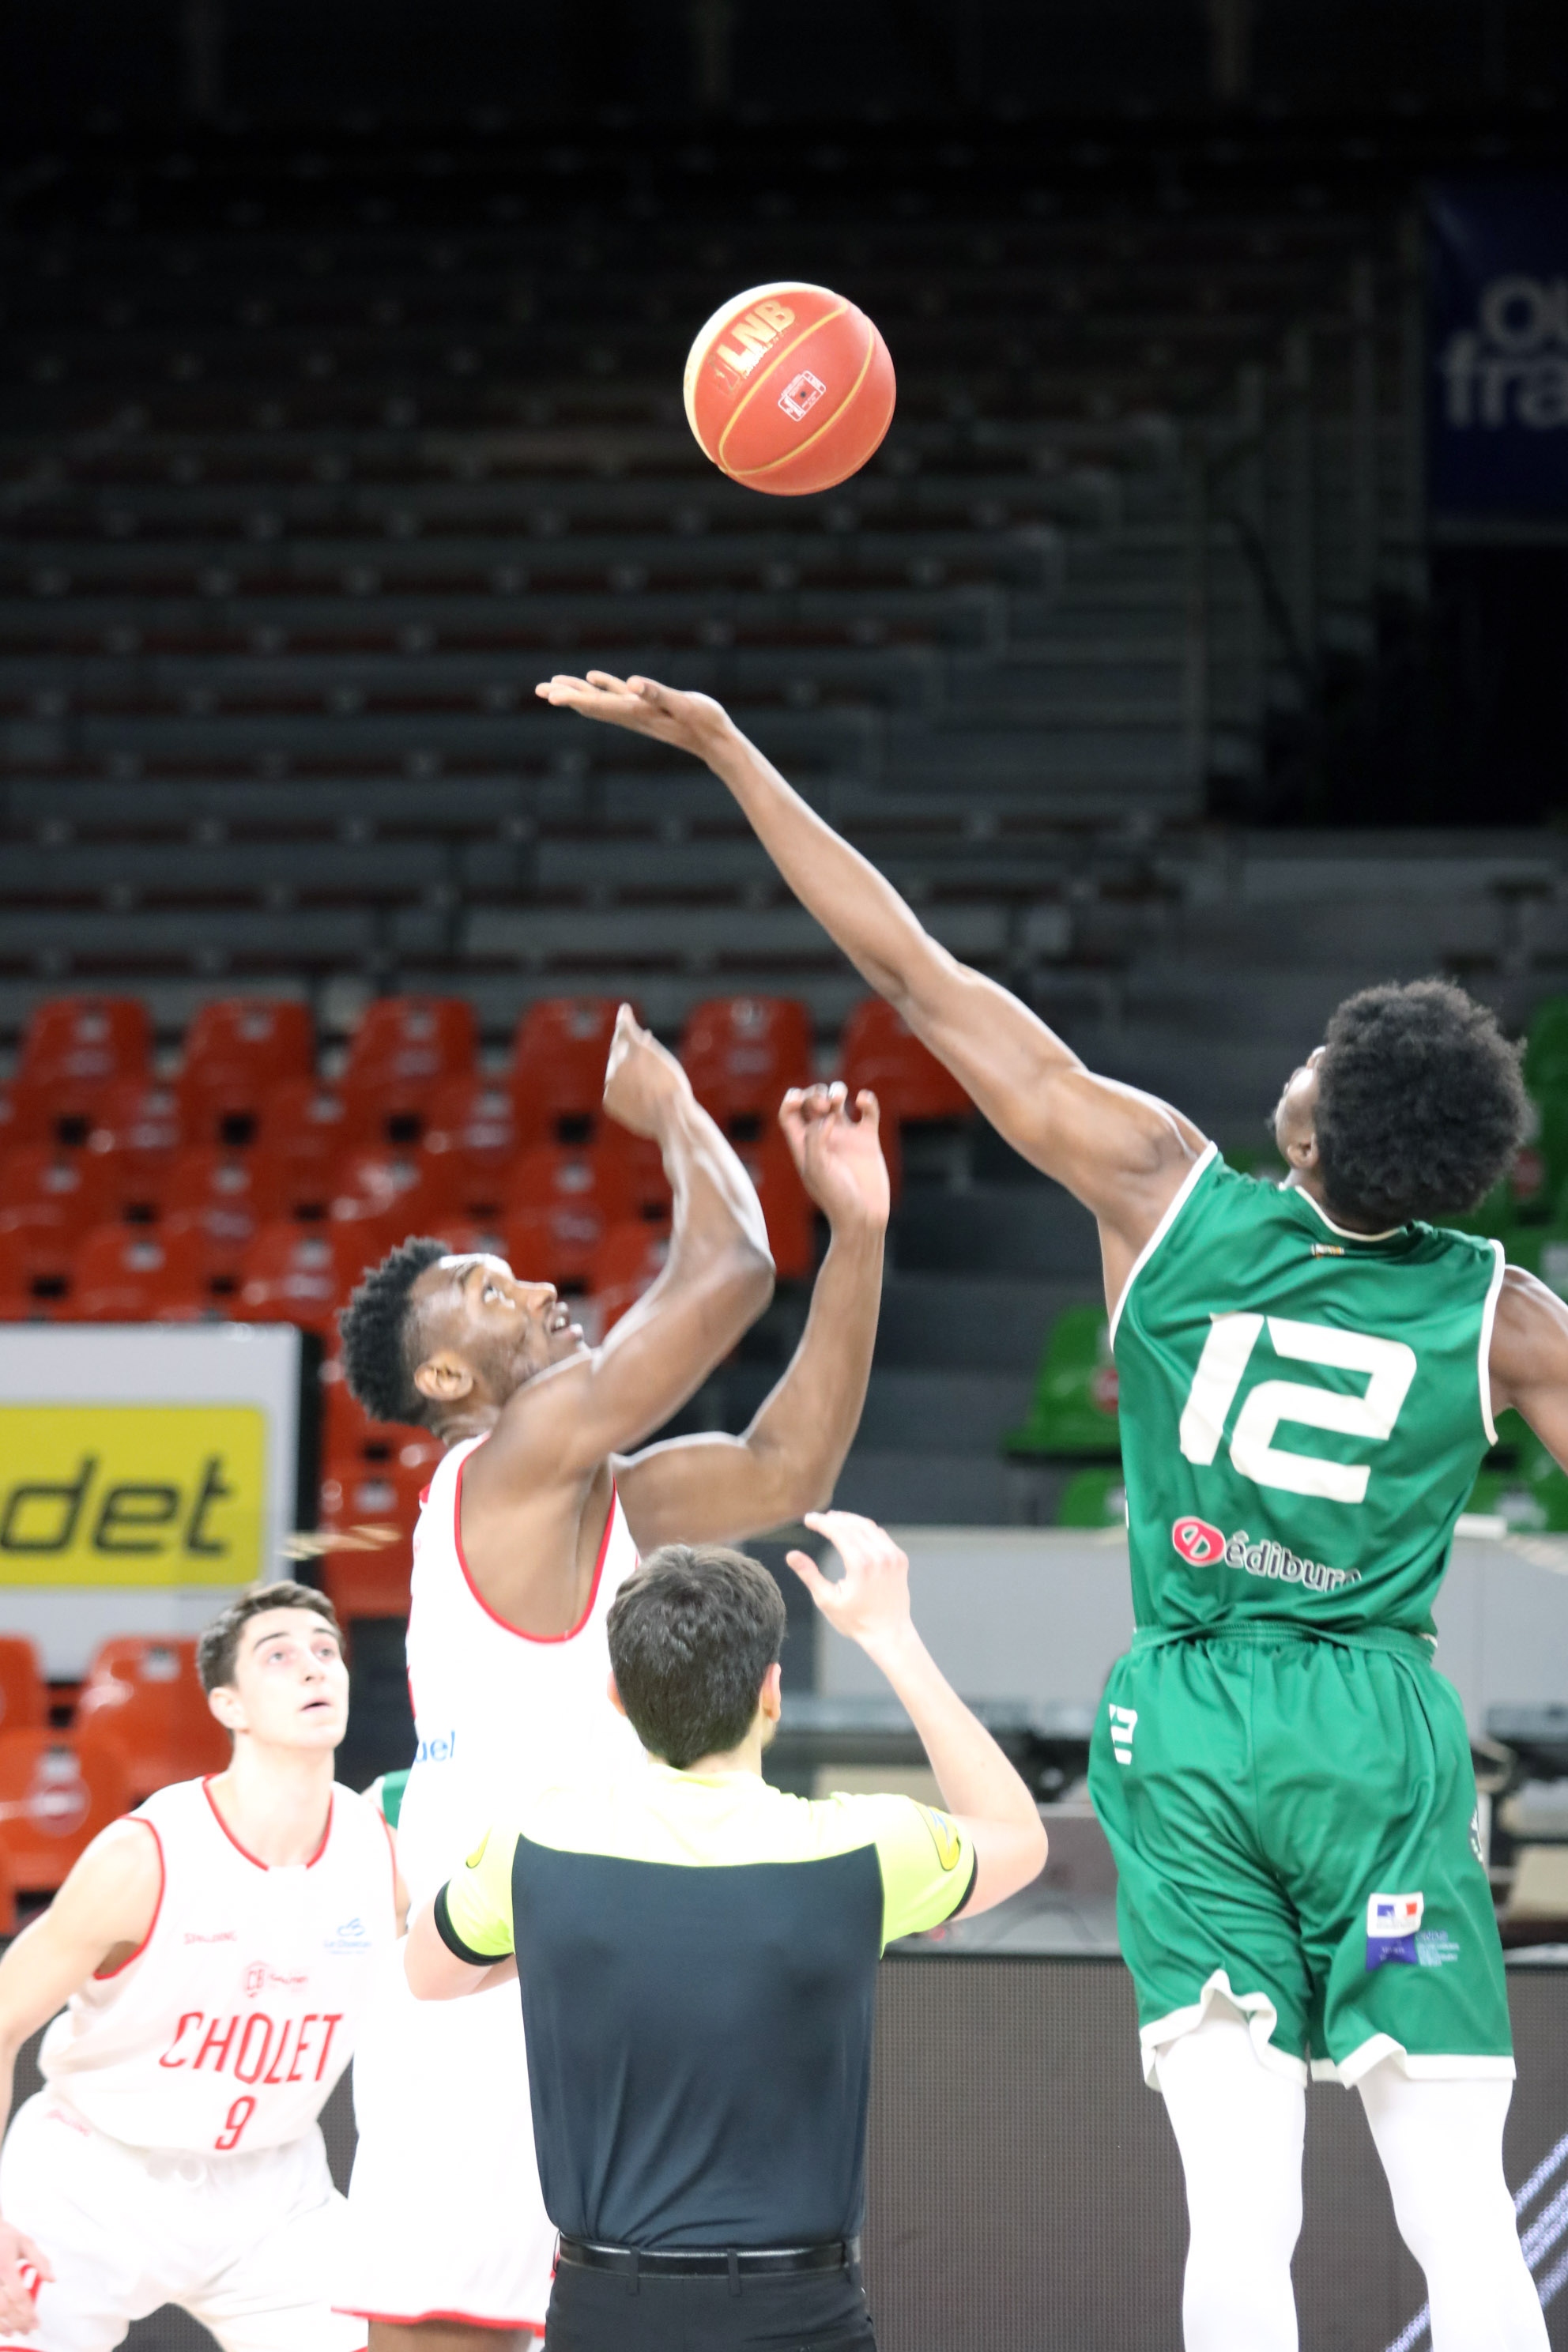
(791, 2311)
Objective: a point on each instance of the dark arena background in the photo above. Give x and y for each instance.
(1192, 653)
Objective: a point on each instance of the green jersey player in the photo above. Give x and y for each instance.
(1309, 1377)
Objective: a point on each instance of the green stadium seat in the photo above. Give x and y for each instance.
(1094, 1498)
(1073, 1409)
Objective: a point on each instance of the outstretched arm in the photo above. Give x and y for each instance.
(104, 1911)
(719, 1489)
(871, 1605)
(1121, 1152)
(717, 1278)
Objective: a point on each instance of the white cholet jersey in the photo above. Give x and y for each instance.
(500, 1715)
(227, 2029)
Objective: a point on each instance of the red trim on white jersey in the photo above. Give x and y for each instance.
(102, 1975)
(505, 1623)
(244, 1850)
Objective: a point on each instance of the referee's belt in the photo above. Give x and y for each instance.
(703, 2262)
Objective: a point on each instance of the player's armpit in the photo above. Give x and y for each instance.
(1528, 1359)
(100, 1919)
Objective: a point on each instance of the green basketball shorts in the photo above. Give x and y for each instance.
(1293, 1820)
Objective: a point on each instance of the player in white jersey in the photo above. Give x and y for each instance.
(530, 1525)
(214, 1951)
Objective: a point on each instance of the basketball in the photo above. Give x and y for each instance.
(789, 388)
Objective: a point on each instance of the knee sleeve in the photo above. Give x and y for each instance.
(1440, 2144)
(1239, 2128)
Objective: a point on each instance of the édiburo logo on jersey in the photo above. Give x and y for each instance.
(1203, 1544)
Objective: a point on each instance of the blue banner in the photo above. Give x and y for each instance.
(1497, 411)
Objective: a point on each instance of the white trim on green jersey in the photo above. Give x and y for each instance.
(1209, 1153)
(1488, 1317)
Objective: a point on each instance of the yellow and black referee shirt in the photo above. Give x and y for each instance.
(697, 1959)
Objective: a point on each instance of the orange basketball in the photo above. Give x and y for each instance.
(789, 388)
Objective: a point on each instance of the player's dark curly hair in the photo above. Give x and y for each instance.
(1421, 1104)
(377, 1327)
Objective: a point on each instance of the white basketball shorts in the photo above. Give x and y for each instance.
(246, 2243)
(446, 2218)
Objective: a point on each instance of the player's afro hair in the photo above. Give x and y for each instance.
(377, 1325)
(1421, 1104)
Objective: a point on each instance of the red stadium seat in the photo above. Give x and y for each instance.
(135, 1136)
(37, 1254)
(558, 1066)
(76, 1046)
(786, 1206)
(400, 1053)
(629, 1261)
(23, 1701)
(138, 1274)
(743, 1054)
(384, 1196)
(292, 1273)
(471, 1143)
(142, 1703)
(363, 1503)
(226, 1187)
(879, 1051)
(307, 1130)
(350, 1436)
(54, 1797)
(237, 1049)
(564, 1202)
(76, 1184)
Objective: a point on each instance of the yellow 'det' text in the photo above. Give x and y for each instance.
(131, 1493)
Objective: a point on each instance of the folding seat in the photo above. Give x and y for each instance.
(292, 1273)
(384, 1196)
(135, 1134)
(786, 1205)
(349, 1435)
(629, 1261)
(558, 1066)
(50, 1199)
(143, 1704)
(370, 1508)
(72, 1189)
(743, 1054)
(227, 1190)
(237, 1048)
(36, 1267)
(472, 1143)
(23, 1701)
(1074, 1406)
(563, 1203)
(138, 1274)
(400, 1053)
(75, 1047)
(307, 1129)
(54, 1797)
(880, 1051)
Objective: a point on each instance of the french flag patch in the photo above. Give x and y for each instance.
(1391, 1921)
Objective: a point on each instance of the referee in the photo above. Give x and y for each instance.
(698, 1954)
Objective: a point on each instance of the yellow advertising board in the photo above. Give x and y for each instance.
(133, 1494)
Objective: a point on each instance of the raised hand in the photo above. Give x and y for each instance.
(692, 722)
(839, 1152)
(871, 1602)
(643, 1080)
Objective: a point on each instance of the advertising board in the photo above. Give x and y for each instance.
(144, 1471)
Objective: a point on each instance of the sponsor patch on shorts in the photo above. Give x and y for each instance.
(1393, 1925)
